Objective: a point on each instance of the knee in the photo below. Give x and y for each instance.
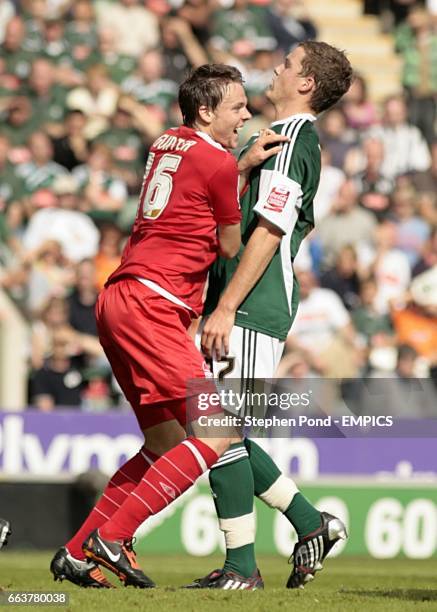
(218, 445)
(162, 438)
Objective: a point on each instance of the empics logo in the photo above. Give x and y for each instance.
(277, 199)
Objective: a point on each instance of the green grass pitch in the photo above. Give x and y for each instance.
(347, 584)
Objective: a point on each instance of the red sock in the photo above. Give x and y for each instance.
(124, 481)
(167, 479)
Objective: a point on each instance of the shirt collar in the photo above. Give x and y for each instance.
(307, 116)
(211, 141)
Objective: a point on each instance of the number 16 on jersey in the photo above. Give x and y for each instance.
(155, 193)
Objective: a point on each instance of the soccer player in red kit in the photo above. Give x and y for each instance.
(188, 213)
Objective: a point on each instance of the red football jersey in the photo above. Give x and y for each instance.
(190, 185)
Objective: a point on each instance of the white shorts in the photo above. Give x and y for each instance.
(251, 355)
(252, 359)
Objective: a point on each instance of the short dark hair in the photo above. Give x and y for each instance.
(205, 86)
(331, 70)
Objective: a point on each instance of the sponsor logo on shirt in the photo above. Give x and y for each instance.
(277, 199)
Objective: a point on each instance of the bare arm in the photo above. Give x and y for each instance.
(257, 255)
(143, 118)
(189, 43)
(229, 237)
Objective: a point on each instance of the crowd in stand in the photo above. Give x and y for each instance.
(85, 88)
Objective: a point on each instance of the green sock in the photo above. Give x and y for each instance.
(281, 492)
(231, 482)
(302, 515)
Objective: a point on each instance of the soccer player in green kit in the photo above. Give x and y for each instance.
(252, 301)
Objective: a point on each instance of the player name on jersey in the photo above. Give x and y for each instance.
(167, 142)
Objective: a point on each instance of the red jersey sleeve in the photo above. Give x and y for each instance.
(223, 193)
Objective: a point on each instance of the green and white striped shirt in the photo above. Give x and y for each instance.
(282, 191)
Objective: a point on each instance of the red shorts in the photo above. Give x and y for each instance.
(145, 338)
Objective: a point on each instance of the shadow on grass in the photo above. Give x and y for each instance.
(405, 594)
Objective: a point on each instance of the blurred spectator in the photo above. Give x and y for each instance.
(415, 318)
(426, 207)
(119, 66)
(72, 149)
(181, 49)
(81, 32)
(14, 218)
(322, 331)
(130, 21)
(68, 64)
(416, 40)
(335, 136)
(144, 118)
(55, 9)
(127, 146)
(9, 84)
(198, 13)
(359, 111)
(46, 97)
(34, 13)
(290, 24)
(294, 365)
(18, 127)
(258, 77)
(81, 35)
(55, 47)
(241, 29)
(149, 86)
(390, 267)
(97, 394)
(97, 100)
(427, 180)
(7, 11)
(17, 59)
(73, 229)
(406, 362)
(102, 193)
(405, 148)
(373, 186)
(397, 9)
(429, 255)
(83, 299)
(375, 327)
(59, 382)
(41, 171)
(343, 278)
(109, 256)
(54, 317)
(347, 224)
(411, 230)
(50, 275)
(260, 120)
(331, 179)
(11, 186)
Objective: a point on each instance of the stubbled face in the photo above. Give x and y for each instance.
(229, 116)
(287, 77)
